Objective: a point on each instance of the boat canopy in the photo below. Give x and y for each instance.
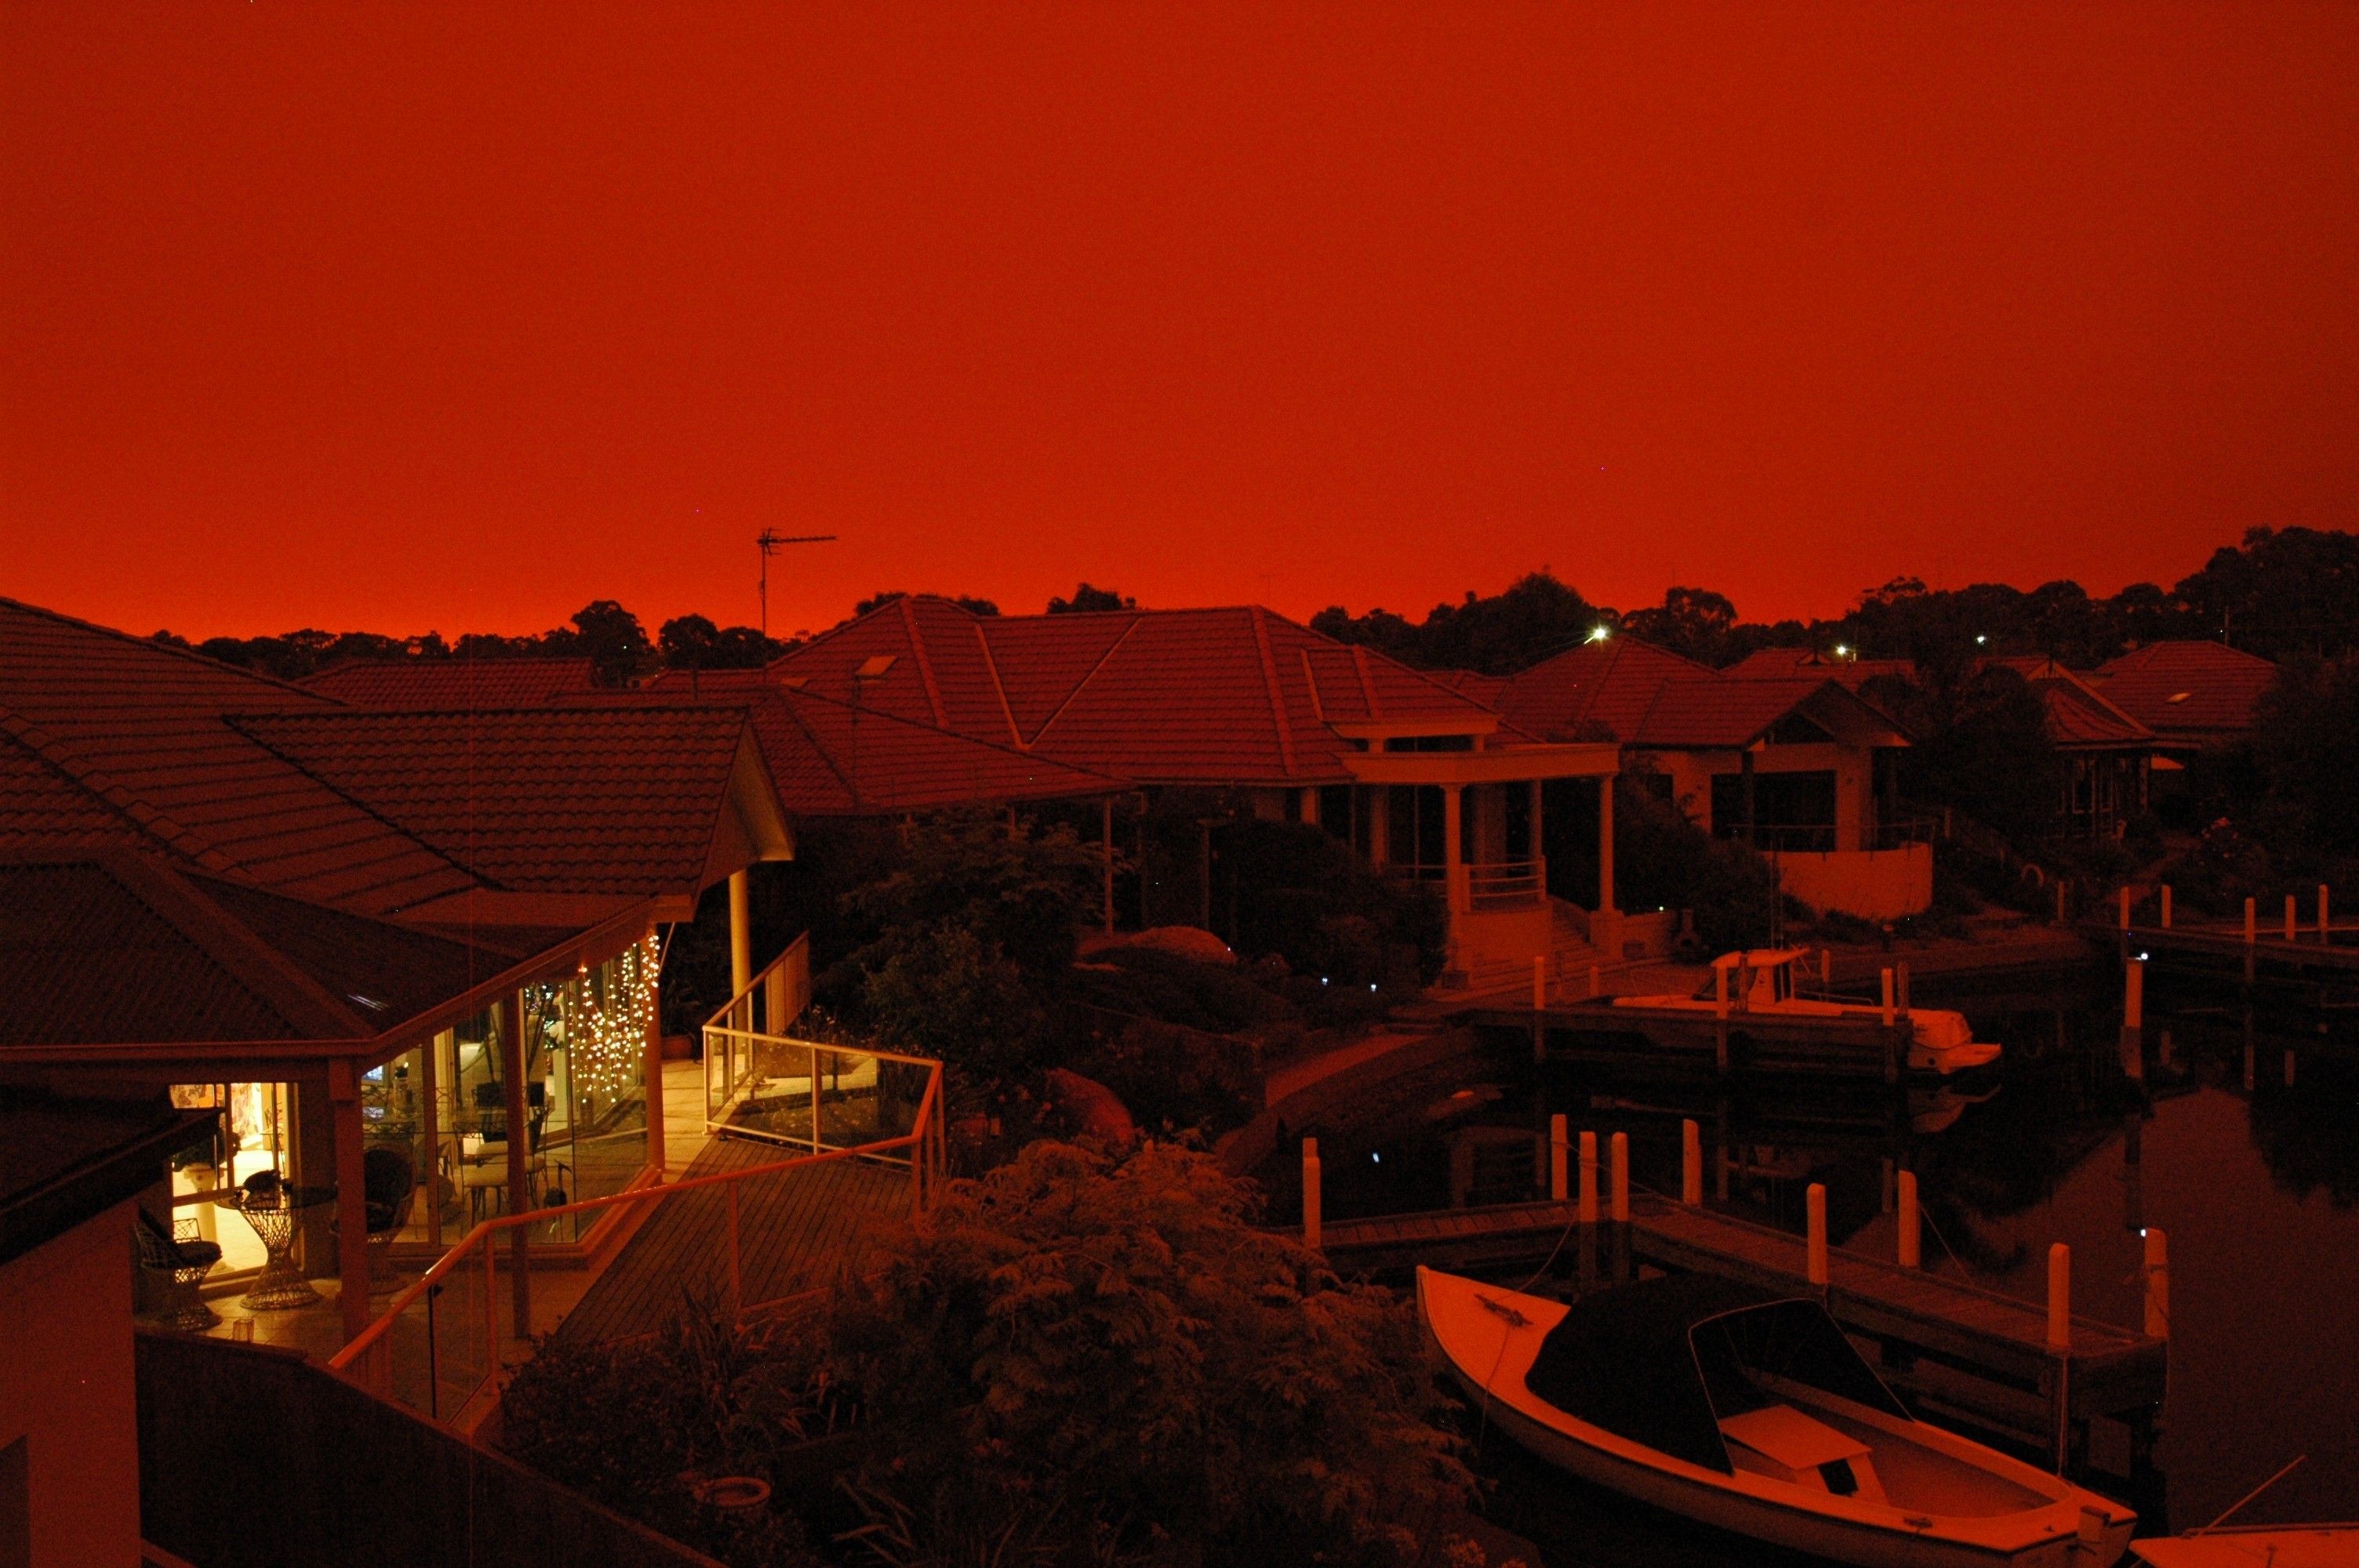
(1662, 1362)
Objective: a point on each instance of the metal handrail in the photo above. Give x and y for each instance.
(926, 1141)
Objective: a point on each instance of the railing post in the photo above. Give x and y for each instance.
(1589, 1178)
(1691, 1164)
(2289, 917)
(1815, 1206)
(2325, 931)
(1310, 1226)
(2157, 1283)
(491, 1312)
(2060, 1296)
(1911, 1246)
(2166, 906)
(1557, 1150)
(2126, 906)
(1620, 1169)
(814, 1088)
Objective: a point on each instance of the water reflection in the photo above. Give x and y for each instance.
(2238, 1133)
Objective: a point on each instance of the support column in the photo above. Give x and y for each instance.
(654, 1067)
(1606, 930)
(1380, 823)
(1105, 808)
(430, 1180)
(512, 1059)
(1537, 851)
(352, 1198)
(741, 933)
(1453, 855)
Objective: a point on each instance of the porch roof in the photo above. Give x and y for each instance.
(1720, 713)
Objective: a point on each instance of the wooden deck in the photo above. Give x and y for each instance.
(1956, 1348)
(793, 1229)
(2325, 973)
(1675, 1039)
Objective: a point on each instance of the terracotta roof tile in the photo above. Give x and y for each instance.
(2188, 692)
(1214, 696)
(452, 683)
(620, 798)
(141, 725)
(1608, 685)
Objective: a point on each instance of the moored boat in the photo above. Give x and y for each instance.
(2254, 1546)
(1754, 1414)
(1768, 980)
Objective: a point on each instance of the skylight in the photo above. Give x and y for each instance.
(871, 668)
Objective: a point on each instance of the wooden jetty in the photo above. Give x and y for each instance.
(1957, 1352)
(2302, 970)
(1662, 1038)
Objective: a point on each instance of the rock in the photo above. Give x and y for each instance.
(1096, 1110)
(1184, 942)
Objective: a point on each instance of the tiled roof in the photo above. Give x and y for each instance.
(1715, 712)
(41, 807)
(2078, 718)
(121, 949)
(451, 683)
(1604, 686)
(2186, 691)
(141, 726)
(835, 758)
(622, 798)
(1851, 673)
(1213, 696)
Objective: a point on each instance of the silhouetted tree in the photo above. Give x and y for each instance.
(608, 636)
(2284, 592)
(694, 642)
(886, 596)
(1087, 597)
(1693, 622)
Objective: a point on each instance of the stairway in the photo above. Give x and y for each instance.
(1569, 958)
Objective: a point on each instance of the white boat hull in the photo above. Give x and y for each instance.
(1843, 1530)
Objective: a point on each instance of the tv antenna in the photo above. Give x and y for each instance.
(767, 541)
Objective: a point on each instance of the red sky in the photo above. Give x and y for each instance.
(407, 316)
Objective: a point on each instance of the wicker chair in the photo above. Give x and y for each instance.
(389, 1186)
(179, 1260)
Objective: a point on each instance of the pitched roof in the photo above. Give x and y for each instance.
(835, 758)
(1216, 697)
(451, 683)
(141, 726)
(123, 949)
(1851, 673)
(594, 799)
(1608, 685)
(1716, 712)
(2188, 692)
(64, 1160)
(2078, 717)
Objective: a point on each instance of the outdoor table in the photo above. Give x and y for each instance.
(275, 1216)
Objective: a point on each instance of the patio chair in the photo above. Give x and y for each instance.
(388, 1188)
(178, 1260)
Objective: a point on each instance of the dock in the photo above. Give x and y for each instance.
(1958, 1353)
(2304, 969)
(1658, 1038)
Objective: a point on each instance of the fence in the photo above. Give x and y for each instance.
(253, 1455)
(1487, 884)
(439, 1343)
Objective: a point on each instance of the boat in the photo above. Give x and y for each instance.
(2254, 1546)
(1752, 1413)
(1766, 980)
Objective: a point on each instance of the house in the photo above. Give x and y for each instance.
(2106, 751)
(71, 1170)
(1417, 778)
(355, 930)
(2192, 695)
(1840, 666)
(1794, 764)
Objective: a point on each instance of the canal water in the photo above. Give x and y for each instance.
(2251, 1168)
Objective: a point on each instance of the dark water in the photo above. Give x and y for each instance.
(2256, 1182)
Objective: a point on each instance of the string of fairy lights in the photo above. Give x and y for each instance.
(604, 1036)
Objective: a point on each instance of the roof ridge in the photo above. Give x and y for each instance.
(168, 831)
(1256, 614)
(918, 651)
(482, 880)
(150, 643)
(231, 943)
(787, 700)
(1367, 687)
(998, 687)
(1310, 679)
(1137, 618)
(1027, 757)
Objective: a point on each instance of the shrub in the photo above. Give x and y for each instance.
(1180, 1080)
(1661, 858)
(1098, 1354)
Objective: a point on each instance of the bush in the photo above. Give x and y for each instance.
(1097, 1355)
(1179, 1079)
(945, 992)
(1660, 858)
